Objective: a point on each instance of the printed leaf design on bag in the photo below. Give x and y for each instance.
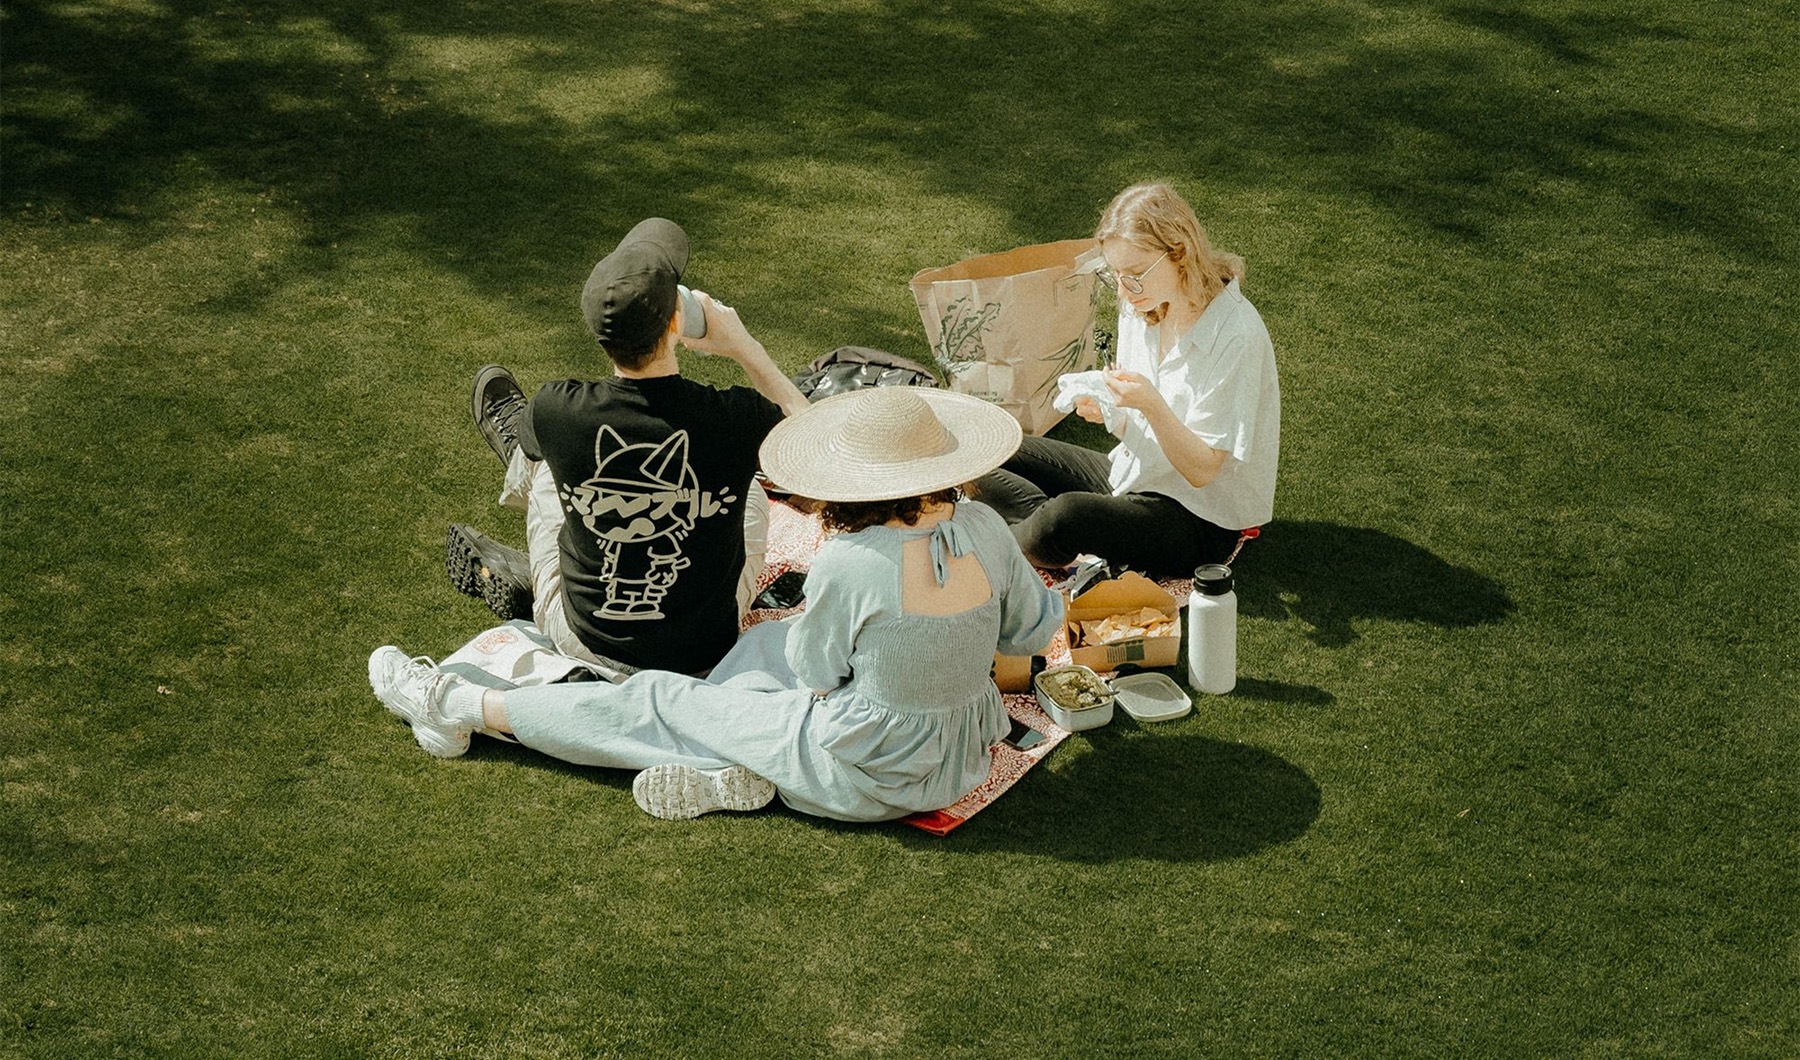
(959, 334)
(1067, 359)
(999, 326)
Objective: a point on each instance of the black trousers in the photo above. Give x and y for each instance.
(1059, 503)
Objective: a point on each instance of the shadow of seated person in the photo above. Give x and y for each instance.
(1331, 576)
(1142, 794)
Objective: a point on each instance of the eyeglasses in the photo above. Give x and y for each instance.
(1134, 284)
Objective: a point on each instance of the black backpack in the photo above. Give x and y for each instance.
(856, 367)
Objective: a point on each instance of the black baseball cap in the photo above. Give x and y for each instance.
(630, 295)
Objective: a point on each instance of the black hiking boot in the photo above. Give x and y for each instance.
(496, 402)
(497, 575)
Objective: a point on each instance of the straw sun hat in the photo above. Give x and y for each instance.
(888, 442)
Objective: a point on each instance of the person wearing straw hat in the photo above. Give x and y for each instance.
(876, 701)
(1194, 402)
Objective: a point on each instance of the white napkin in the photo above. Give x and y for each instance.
(1090, 385)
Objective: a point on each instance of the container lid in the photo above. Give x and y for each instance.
(1212, 579)
(1151, 697)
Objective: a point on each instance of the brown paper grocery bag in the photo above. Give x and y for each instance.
(1003, 326)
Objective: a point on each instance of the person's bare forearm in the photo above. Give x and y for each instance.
(1188, 453)
(770, 381)
(726, 336)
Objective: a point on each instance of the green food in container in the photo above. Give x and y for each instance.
(1075, 689)
(1074, 697)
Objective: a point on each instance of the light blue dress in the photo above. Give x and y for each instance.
(911, 708)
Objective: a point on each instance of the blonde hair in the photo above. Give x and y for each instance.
(1155, 217)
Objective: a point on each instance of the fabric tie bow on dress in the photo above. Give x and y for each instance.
(950, 535)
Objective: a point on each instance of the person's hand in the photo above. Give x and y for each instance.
(1133, 391)
(1089, 409)
(726, 335)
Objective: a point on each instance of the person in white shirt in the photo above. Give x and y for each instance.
(1200, 437)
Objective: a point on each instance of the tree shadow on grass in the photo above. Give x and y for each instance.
(510, 141)
(1331, 576)
(1136, 795)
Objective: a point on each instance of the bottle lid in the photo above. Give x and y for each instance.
(1212, 579)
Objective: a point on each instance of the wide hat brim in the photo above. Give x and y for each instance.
(886, 443)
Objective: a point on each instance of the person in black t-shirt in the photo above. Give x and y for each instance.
(635, 487)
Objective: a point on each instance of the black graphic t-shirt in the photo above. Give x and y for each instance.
(652, 475)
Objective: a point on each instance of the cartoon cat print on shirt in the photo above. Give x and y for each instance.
(640, 505)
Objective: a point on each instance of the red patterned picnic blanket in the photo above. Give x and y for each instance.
(794, 537)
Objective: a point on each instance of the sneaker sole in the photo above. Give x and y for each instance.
(484, 375)
(677, 793)
(437, 745)
(471, 577)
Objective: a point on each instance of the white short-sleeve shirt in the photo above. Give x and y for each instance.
(1220, 381)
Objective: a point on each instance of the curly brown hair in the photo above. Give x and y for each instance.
(850, 516)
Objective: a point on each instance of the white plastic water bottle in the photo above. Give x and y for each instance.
(1212, 631)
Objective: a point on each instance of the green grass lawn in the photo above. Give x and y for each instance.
(1510, 769)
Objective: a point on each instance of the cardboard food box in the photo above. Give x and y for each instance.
(1125, 595)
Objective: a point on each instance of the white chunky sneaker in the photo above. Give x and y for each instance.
(414, 690)
(676, 793)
